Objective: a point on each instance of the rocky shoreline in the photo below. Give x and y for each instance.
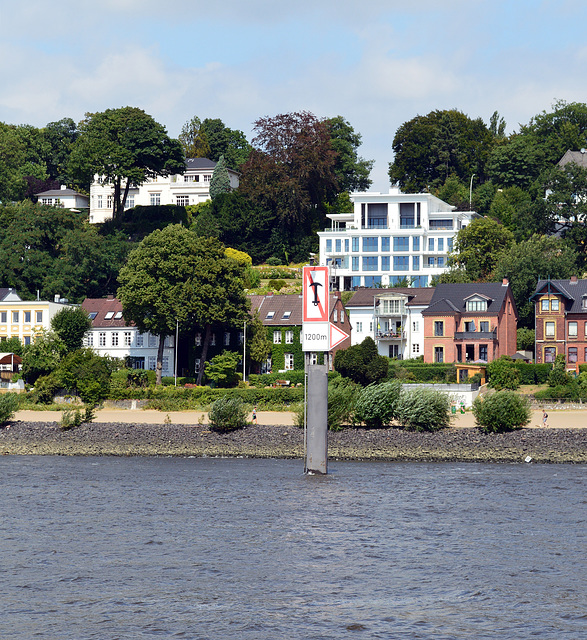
(263, 441)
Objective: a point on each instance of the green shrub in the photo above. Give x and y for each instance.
(273, 261)
(503, 374)
(228, 414)
(533, 373)
(423, 410)
(45, 389)
(558, 376)
(501, 411)
(71, 418)
(570, 391)
(376, 404)
(8, 406)
(277, 285)
(342, 396)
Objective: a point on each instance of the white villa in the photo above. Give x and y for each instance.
(392, 317)
(190, 188)
(389, 238)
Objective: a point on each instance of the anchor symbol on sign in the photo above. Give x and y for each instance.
(315, 286)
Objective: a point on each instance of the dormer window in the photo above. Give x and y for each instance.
(270, 315)
(476, 304)
(109, 315)
(584, 302)
(118, 315)
(286, 315)
(554, 304)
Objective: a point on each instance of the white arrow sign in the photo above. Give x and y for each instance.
(336, 336)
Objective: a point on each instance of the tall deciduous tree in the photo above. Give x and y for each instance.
(56, 251)
(428, 149)
(290, 177)
(478, 247)
(526, 262)
(222, 141)
(352, 171)
(70, 324)
(194, 140)
(175, 278)
(122, 147)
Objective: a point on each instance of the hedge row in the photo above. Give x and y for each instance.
(533, 373)
(179, 398)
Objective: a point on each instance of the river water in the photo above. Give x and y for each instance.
(113, 548)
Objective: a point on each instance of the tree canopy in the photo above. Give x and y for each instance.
(175, 278)
(56, 251)
(429, 149)
(122, 147)
(478, 247)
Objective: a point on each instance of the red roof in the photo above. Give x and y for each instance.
(104, 312)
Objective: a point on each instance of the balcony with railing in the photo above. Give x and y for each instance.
(476, 335)
(390, 335)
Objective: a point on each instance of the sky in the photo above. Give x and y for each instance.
(377, 63)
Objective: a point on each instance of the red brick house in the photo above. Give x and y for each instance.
(561, 321)
(470, 322)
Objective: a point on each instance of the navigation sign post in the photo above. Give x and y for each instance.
(316, 337)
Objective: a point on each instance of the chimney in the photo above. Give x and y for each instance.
(110, 296)
(56, 298)
(573, 280)
(505, 282)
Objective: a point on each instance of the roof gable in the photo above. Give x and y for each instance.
(452, 298)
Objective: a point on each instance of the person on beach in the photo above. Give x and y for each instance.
(544, 419)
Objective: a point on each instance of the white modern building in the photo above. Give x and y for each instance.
(111, 335)
(388, 238)
(190, 188)
(392, 317)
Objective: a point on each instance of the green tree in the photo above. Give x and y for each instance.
(12, 158)
(42, 357)
(479, 246)
(230, 143)
(71, 324)
(259, 345)
(222, 369)
(194, 140)
(361, 363)
(122, 147)
(60, 137)
(526, 339)
(429, 149)
(220, 182)
(507, 203)
(177, 278)
(526, 262)
(87, 374)
(352, 172)
(56, 251)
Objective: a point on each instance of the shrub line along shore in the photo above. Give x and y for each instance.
(137, 438)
